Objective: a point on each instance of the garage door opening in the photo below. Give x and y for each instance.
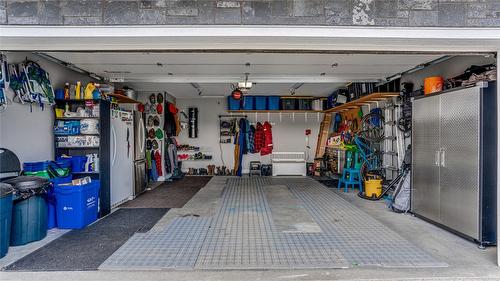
(306, 153)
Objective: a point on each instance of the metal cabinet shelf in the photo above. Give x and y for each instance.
(454, 176)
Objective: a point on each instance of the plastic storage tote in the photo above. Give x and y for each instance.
(78, 163)
(248, 103)
(305, 104)
(47, 169)
(233, 104)
(273, 103)
(77, 205)
(5, 217)
(260, 103)
(29, 211)
(288, 103)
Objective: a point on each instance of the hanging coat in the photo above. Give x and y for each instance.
(169, 125)
(258, 138)
(268, 140)
(251, 139)
(247, 136)
(158, 163)
(243, 136)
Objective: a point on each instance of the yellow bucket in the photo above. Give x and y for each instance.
(373, 187)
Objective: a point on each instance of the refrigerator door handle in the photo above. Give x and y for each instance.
(114, 145)
(443, 157)
(436, 158)
(141, 134)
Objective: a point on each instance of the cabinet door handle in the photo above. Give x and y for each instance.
(436, 158)
(443, 157)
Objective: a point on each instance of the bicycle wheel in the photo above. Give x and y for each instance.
(372, 127)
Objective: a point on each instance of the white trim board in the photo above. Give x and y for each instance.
(123, 38)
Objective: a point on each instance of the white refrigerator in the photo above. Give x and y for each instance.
(122, 157)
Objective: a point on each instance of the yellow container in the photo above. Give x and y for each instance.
(373, 187)
(59, 112)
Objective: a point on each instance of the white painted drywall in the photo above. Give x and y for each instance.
(28, 132)
(288, 135)
(447, 69)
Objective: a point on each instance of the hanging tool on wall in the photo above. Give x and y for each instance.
(4, 81)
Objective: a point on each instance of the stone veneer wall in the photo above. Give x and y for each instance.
(400, 13)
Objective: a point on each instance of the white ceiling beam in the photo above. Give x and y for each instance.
(121, 38)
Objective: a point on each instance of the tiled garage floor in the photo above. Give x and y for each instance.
(270, 223)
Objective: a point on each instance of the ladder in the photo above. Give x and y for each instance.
(324, 131)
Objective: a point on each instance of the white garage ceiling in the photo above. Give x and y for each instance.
(272, 73)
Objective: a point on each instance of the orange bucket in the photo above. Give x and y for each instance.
(433, 84)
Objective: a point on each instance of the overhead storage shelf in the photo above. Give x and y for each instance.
(375, 97)
(122, 98)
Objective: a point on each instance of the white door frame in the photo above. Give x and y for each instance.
(257, 38)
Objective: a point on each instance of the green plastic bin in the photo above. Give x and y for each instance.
(29, 211)
(5, 217)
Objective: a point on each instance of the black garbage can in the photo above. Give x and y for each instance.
(29, 211)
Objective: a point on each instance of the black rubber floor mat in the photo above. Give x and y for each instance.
(87, 248)
(169, 194)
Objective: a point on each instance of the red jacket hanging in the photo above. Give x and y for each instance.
(159, 170)
(268, 139)
(258, 137)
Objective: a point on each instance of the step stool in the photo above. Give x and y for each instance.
(351, 175)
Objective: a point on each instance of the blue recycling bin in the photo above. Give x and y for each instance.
(76, 205)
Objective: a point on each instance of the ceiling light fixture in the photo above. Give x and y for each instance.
(246, 85)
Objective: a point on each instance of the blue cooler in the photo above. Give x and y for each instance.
(273, 103)
(260, 103)
(77, 205)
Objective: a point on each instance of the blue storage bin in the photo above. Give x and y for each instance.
(51, 201)
(59, 93)
(233, 104)
(77, 205)
(78, 163)
(248, 103)
(63, 162)
(273, 103)
(260, 103)
(34, 167)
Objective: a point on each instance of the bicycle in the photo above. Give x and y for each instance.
(372, 163)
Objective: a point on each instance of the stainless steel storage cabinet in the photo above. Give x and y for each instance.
(454, 175)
